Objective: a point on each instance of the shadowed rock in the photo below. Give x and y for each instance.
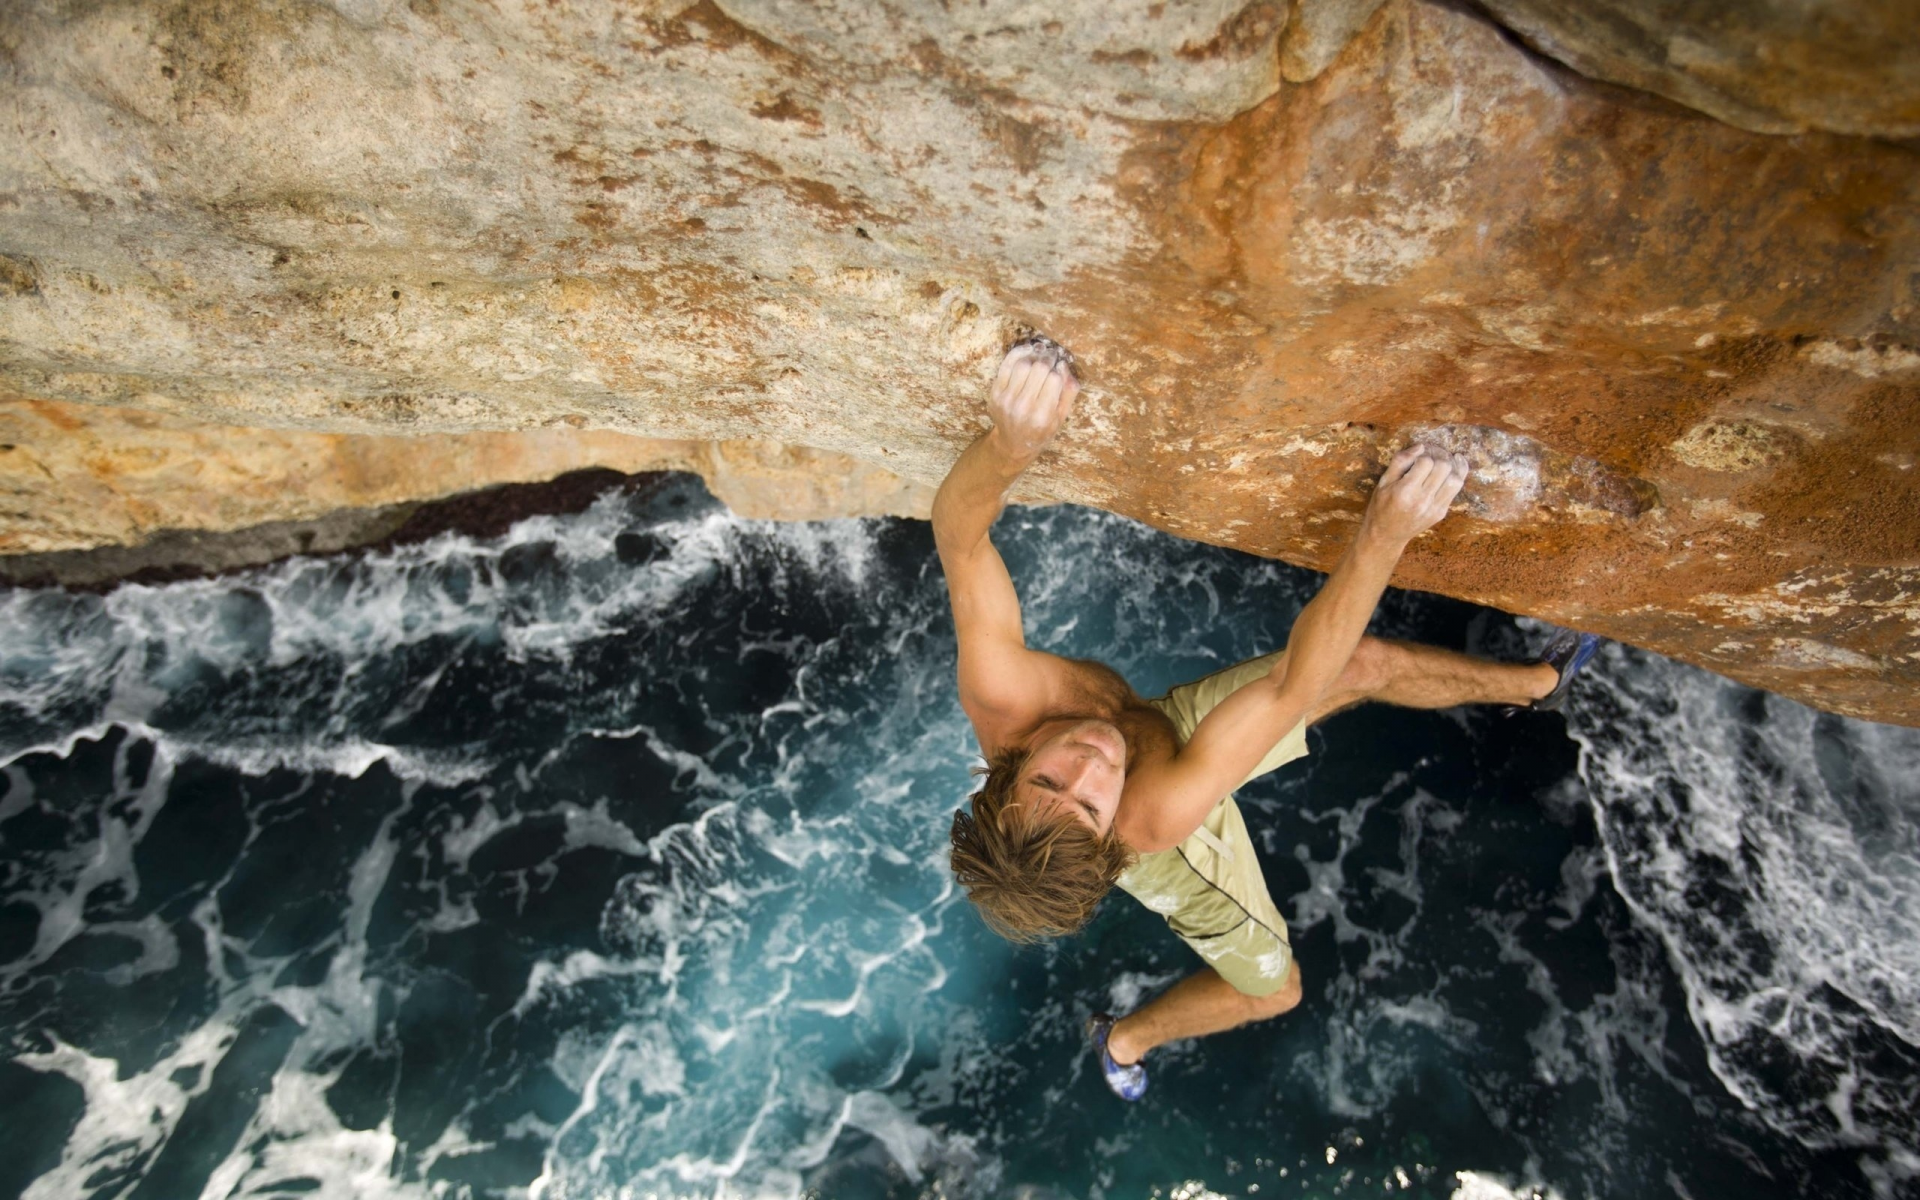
(1844, 66)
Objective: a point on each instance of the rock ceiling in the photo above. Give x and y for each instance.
(1671, 306)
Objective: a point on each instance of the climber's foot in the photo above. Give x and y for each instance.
(1129, 1082)
(1567, 651)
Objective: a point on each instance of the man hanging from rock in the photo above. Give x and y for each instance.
(1088, 786)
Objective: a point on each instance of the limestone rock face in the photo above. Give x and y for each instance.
(125, 473)
(1776, 66)
(1282, 240)
(1317, 31)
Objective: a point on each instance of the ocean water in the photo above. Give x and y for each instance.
(607, 859)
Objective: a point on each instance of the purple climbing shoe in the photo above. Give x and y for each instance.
(1128, 1083)
(1566, 651)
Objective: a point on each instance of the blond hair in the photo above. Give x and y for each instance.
(1031, 874)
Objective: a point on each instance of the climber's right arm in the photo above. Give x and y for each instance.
(1003, 684)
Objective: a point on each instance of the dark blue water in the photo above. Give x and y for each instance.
(608, 859)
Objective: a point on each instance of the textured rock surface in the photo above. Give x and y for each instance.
(1682, 352)
(1776, 66)
(1317, 31)
(186, 553)
(120, 475)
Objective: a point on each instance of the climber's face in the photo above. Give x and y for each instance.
(1079, 767)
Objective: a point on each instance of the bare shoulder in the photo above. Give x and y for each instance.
(1056, 686)
(1154, 785)
(1102, 687)
(1005, 713)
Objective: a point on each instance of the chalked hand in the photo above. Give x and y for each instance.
(1032, 396)
(1414, 492)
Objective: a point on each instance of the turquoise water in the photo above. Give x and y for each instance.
(607, 858)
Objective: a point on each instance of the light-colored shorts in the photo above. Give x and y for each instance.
(1209, 887)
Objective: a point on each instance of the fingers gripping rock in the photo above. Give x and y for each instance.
(1032, 396)
(1044, 349)
(1513, 478)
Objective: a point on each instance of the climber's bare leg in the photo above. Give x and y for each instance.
(1415, 676)
(1198, 1005)
(1403, 673)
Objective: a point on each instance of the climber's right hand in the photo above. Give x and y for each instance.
(1032, 397)
(1414, 493)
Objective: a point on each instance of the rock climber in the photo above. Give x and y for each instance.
(1088, 786)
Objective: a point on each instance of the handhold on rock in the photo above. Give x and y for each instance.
(1047, 351)
(1515, 478)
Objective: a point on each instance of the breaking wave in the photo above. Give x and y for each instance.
(1776, 852)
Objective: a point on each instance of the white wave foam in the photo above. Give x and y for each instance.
(58, 885)
(348, 757)
(1776, 852)
(576, 968)
(124, 1119)
(910, 1143)
(296, 1136)
(96, 661)
(1482, 1185)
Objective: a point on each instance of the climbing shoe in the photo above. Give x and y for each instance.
(1566, 651)
(1129, 1082)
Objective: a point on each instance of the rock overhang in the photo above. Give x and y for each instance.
(1682, 352)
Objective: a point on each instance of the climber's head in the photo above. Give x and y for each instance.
(1038, 852)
